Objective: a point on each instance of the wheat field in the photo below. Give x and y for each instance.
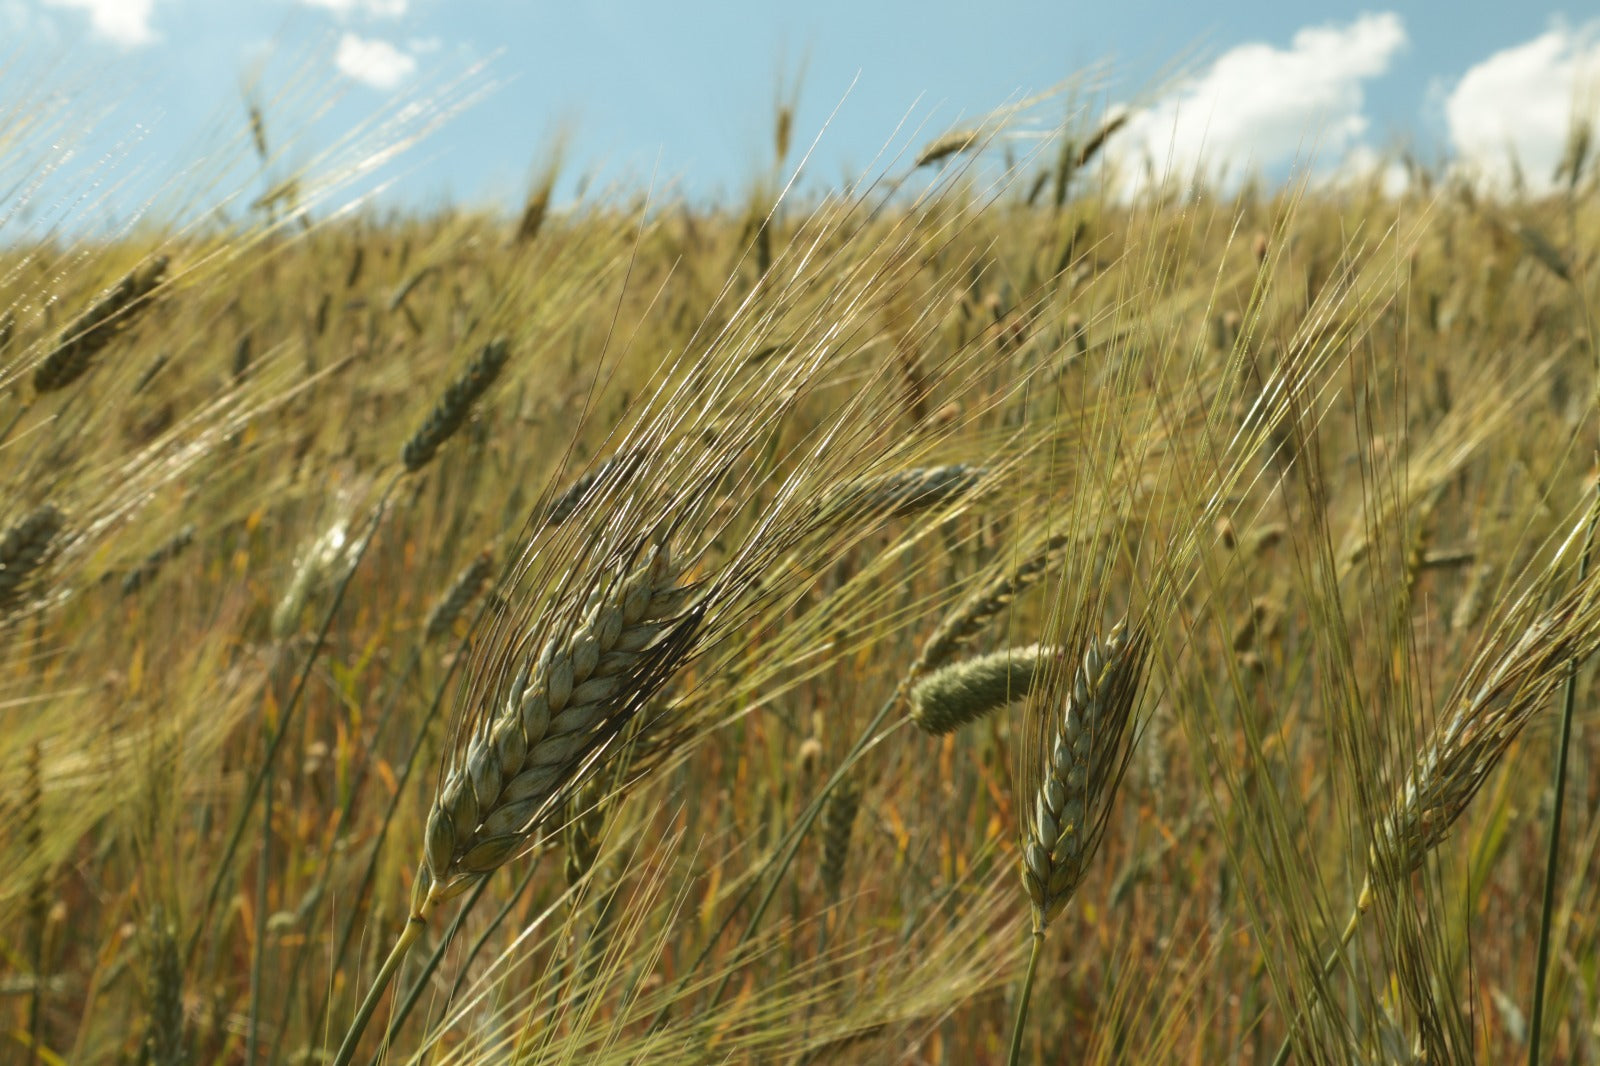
(971, 616)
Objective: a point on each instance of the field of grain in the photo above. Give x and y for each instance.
(972, 616)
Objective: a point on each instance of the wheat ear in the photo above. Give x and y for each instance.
(97, 325)
(24, 549)
(838, 823)
(1500, 692)
(589, 679)
(459, 596)
(959, 694)
(453, 407)
(618, 467)
(969, 617)
(900, 494)
(1075, 753)
(578, 693)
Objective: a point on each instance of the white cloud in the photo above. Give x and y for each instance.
(1364, 165)
(372, 8)
(123, 22)
(1518, 104)
(1259, 105)
(373, 62)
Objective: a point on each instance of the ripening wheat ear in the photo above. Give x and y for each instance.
(1074, 755)
(97, 325)
(900, 494)
(618, 642)
(585, 684)
(961, 693)
(1513, 677)
(971, 615)
(23, 549)
(455, 405)
(459, 596)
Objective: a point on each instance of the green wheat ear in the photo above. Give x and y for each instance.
(961, 693)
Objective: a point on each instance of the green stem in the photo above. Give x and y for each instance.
(1553, 852)
(380, 984)
(419, 737)
(414, 993)
(263, 883)
(1329, 965)
(253, 789)
(319, 891)
(1026, 994)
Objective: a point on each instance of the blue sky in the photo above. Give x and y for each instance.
(684, 91)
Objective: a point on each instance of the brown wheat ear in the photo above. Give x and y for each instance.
(97, 325)
(455, 405)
